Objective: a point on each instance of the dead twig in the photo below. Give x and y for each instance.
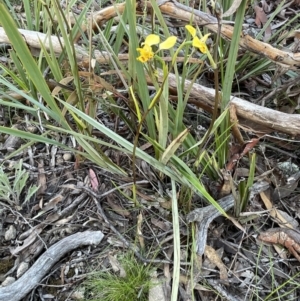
(204, 216)
(19, 289)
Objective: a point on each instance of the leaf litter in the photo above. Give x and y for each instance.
(64, 205)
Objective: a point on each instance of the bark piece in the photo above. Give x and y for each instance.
(289, 238)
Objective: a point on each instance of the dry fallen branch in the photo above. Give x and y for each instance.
(204, 216)
(19, 289)
(274, 120)
(185, 13)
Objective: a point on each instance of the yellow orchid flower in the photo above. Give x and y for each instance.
(146, 52)
(200, 43)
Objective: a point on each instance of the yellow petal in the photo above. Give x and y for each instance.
(200, 44)
(151, 39)
(168, 43)
(191, 30)
(203, 39)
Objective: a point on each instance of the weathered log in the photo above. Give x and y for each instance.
(265, 117)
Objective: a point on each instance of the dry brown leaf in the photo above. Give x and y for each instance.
(213, 256)
(234, 6)
(115, 207)
(289, 218)
(63, 83)
(64, 221)
(93, 180)
(274, 212)
(167, 272)
(226, 185)
(8, 280)
(28, 241)
(166, 204)
(23, 267)
(261, 19)
(267, 7)
(160, 224)
(238, 151)
(50, 205)
(249, 146)
(10, 233)
(282, 252)
(12, 142)
(208, 266)
(115, 264)
(236, 223)
(234, 125)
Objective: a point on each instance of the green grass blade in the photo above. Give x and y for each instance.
(176, 239)
(29, 63)
(234, 46)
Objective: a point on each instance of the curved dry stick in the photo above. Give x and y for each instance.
(19, 289)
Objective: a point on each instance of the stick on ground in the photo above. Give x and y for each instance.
(19, 289)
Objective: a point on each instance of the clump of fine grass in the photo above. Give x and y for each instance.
(110, 286)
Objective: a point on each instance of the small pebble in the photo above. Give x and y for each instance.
(8, 281)
(67, 156)
(23, 267)
(11, 233)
